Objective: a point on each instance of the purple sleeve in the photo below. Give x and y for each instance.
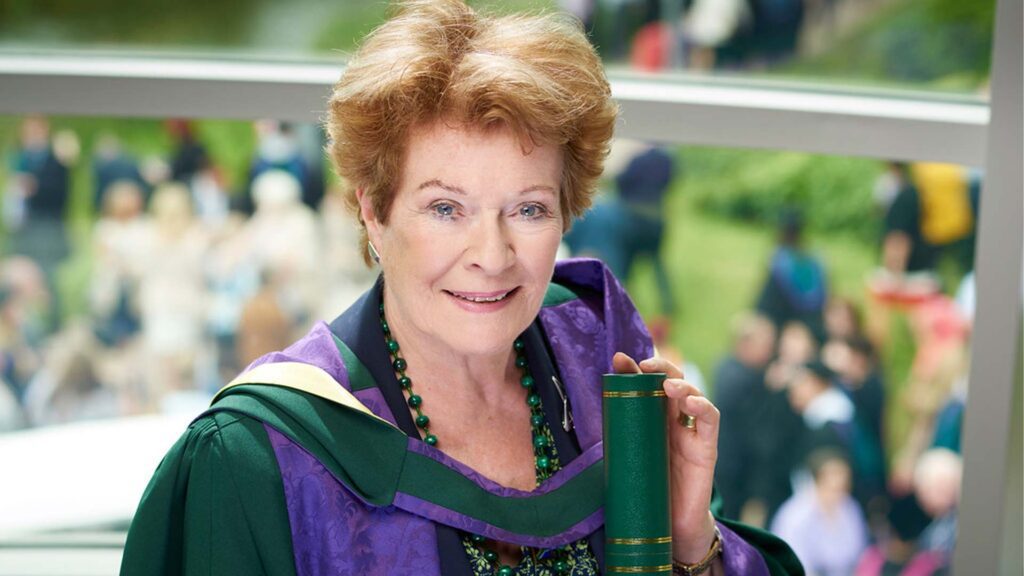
(738, 557)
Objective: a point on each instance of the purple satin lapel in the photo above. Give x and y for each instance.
(585, 333)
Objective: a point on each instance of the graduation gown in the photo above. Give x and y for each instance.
(309, 463)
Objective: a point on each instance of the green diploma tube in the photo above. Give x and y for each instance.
(637, 510)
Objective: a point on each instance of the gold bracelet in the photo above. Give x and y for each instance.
(680, 569)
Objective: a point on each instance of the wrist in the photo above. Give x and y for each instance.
(705, 563)
(691, 543)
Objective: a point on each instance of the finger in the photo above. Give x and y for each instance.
(705, 413)
(623, 364)
(686, 398)
(679, 389)
(657, 364)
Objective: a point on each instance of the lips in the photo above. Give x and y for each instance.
(483, 297)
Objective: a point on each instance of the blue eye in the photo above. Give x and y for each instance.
(532, 211)
(443, 210)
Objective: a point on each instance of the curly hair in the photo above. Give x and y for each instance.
(536, 75)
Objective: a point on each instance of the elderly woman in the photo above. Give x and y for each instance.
(449, 422)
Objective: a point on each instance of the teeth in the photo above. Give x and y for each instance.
(480, 299)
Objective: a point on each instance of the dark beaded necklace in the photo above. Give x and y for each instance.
(543, 450)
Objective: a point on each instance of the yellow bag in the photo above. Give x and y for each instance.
(944, 192)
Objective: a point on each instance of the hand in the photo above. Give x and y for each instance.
(692, 457)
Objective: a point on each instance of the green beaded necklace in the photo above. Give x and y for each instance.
(543, 451)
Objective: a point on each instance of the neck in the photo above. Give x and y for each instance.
(435, 366)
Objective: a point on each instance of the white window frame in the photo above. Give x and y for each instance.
(686, 111)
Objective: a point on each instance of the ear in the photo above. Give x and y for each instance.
(368, 215)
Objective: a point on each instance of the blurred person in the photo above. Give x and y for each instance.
(189, 154)
(938, 475)
(775, 32)
(263, 328)
(210, 197)
(842, 319)
(278, 248)
(893, 179)
(278, 149)
(121, 249)
(754, 429)
(24, 313)
(895, 553)
(233, 276)
(842, 322)
(622, 229)
(111, 164)
(940, 335)
(821, 521)
(155, 170)
(949, 420)
(796, 287)
(37, 196)
(282, 239)
(67, 388)
(625, 17)
(935, 209)
(860, 377)
(708, 25)
(172, 293)
(797, 346)
(827, 415)
(312, 139)
(949, 197)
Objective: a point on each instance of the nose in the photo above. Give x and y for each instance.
(490, 246)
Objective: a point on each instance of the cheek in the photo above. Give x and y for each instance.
(537, 254)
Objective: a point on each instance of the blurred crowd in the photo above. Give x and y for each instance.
(187, 282)
(806, 448)
(702, 35)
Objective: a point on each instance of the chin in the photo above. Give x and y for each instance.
(475, 333)
(481, 338)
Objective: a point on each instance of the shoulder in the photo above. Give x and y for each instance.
(216, 500)
(585, 296)
(219, 447)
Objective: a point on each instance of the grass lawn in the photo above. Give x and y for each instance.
(717, 267)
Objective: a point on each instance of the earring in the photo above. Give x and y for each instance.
(373, 252)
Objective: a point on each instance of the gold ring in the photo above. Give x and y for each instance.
(687, 421)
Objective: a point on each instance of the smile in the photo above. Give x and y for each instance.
(482, 297)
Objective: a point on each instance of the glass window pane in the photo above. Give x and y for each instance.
(824, 303)
(938, 45)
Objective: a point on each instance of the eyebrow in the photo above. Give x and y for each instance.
(435, 183)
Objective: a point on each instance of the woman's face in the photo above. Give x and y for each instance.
(470, 242)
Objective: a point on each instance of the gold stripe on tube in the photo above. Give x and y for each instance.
(635, 394)
(639, 569)
(638, 541)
